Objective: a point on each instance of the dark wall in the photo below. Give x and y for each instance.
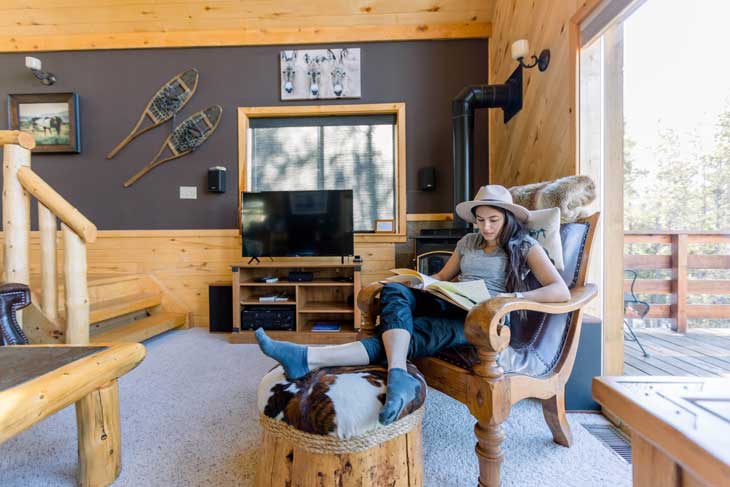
(114, 87)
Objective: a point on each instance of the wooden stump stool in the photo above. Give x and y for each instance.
(322, 430)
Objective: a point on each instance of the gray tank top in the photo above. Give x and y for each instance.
(491, 267)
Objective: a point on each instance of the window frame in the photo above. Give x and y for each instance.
(245, 114)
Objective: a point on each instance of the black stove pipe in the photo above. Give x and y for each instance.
(508, 97)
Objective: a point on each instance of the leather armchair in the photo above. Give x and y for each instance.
(12, 298)
(545, 343)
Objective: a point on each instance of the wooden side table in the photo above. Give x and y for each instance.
(37, 381)
(680, 427)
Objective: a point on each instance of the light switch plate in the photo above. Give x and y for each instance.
(188, 192)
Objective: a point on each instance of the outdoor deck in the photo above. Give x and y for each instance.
(703, 352)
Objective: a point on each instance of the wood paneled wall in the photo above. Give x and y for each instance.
(35, 25)
(540, 143)
(187, 261)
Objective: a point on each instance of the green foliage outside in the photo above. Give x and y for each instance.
(691, 192)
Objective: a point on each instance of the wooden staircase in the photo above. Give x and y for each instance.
(130, 308)
(92, 309)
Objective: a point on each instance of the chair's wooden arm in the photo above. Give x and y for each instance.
(483, 324)
(369, 308)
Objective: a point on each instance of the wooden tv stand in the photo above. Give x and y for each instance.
(331, 296)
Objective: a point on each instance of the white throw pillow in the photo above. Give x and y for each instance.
(544, 226)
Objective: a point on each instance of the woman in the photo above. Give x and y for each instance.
(417, 324)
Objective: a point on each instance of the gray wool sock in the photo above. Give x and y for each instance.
(291, 356)
(402, 389)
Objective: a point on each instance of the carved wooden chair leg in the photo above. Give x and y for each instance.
(554, 411)
(488, 399)
(489, 453)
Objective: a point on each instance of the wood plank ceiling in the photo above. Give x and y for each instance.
(49, 25)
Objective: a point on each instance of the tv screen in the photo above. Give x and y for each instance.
(297, 223)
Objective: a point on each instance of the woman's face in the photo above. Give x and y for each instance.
(490, 222)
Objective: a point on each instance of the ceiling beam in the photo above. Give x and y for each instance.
(244, 37)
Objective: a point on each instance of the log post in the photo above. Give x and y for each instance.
(16, 137)
(99, 436)
(44, 193)
(77, 292)
(16, 217)
(679, 282)
(49, 283)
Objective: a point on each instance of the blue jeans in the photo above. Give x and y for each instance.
(433, 323)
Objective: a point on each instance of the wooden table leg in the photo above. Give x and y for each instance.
(652, 468)
(100, 436)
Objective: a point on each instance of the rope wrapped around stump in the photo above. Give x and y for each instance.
(332, 445)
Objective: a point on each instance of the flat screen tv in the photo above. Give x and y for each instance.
(297, 223)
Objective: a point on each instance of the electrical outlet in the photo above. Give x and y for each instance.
(188, 192)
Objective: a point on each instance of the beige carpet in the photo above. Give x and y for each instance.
(189, 419)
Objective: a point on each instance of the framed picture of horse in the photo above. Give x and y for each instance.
(52, 118)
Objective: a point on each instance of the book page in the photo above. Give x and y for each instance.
(412, 275)
(408, 280)
(453, 298)
(476, 290)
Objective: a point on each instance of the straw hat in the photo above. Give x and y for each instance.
(492, 195)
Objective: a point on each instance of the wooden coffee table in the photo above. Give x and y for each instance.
(680, 427)
(39, 380)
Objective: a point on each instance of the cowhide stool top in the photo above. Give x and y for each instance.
(339, 401)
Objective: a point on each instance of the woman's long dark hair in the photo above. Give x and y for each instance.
(512, 240)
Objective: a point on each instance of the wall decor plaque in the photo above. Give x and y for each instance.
(320, 74)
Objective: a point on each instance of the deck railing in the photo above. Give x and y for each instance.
(19, 181)
(679, 285)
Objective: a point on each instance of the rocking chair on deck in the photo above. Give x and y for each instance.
(548, 336)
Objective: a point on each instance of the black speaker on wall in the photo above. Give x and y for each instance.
(217, 179)
(427, 178)
(220, 308)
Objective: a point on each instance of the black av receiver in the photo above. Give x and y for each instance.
(268, 317)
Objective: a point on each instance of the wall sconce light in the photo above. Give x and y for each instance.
(521, 48)
(34, 64)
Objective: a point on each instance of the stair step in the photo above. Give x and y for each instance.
(111, 308)
(102, 279)
(92, 280)
(140, 330)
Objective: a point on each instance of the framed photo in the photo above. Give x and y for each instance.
(52, 118)
(320, 74)
(384, 226)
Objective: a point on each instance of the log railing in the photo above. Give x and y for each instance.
(19, 183)
(680, 261)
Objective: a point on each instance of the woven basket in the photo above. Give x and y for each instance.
(327, 444)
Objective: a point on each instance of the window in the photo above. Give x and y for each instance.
(340, 152)
(329, 147)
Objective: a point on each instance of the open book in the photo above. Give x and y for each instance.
(464, 294)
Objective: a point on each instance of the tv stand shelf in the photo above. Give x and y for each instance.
(329, 297)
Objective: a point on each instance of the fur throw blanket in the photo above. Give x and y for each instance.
(571, 194)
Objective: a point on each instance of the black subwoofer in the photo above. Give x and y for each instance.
(220, 307)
